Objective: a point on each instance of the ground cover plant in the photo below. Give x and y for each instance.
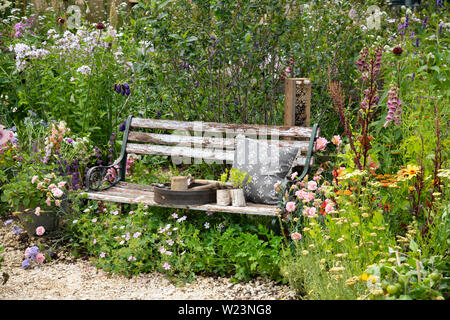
(369, 221)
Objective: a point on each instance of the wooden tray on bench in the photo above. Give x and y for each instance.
(163, 194)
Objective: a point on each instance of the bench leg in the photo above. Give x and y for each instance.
(275, 225)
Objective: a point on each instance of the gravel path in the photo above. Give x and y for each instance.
(78, 279)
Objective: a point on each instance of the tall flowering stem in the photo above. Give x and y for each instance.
(369, 68)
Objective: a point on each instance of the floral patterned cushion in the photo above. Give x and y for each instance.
(266, 164)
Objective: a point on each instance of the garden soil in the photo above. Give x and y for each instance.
(67, 278)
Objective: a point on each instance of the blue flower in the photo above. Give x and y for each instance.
(16, 229)
(26, 263)
(8, 221)
(34, 250)
(123, 125)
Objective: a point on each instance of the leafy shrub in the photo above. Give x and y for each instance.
(144, 240)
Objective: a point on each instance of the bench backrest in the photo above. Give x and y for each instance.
(208, 141)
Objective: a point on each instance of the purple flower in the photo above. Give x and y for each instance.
(123, 125)
(8, 221)
(439, 4)
(424, 22)
(69, 140)
(407, 21)
(417, 42)
(26, 263)
(440, 28)
(16, 230)
(117, 88)
(413, 76)
(34, 250)
(394, 105)
(400, 27)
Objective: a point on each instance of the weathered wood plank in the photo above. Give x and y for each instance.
(135, 198)
(206, 142)
(190, 153)
(229, 128)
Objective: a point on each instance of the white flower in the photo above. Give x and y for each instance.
(85, 70)
(206, 225)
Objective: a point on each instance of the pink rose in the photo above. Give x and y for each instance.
(52, 186)
(329, 207)
(336, 140)
(39, 186)
(37, 211)
(304, 195)
(40, 258)
(312, 185)
(48, 202)
(290, 206)
(317, 178)
(57, 192)
(309, 212)
(277, 185)
(57, 203)
(40, 230)
(61, 184)
(34, 179)
(295, 174)
(301, 184)
(296, 236)
(321, 143)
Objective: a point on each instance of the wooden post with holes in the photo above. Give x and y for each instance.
(297, 102)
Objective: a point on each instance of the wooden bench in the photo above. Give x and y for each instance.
(210, 142)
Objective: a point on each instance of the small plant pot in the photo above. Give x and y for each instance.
(223, 197)
(47, 219)
(237, 198)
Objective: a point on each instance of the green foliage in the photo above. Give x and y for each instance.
(144, 240)
(235, 177)
(409, 279)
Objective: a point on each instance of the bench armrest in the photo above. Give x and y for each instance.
(100, 178)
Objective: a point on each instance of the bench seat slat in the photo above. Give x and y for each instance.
(282, 131)
(196, 141)
(128, 195)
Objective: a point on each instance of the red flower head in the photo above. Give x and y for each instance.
(397, 51)
(100, 26)
(61, 20)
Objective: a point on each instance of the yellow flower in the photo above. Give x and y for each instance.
(409, 172)
(364, 277)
